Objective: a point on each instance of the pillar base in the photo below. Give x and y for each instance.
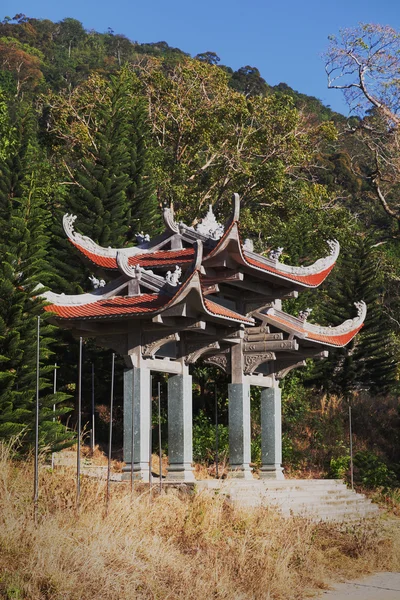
(271, 472)
(182, 472)
(140, 473)
(240, 472)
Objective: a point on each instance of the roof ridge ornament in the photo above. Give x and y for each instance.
(276, 253)
(125, 268)
(248, 245)
(209, 226)
(345, 327)
(96, 283)
(198, 255)
(320, 265)
(172, 278)
(304, 314)
(85, 242)
(169, 219)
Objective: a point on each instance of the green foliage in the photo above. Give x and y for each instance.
(369, 360)
(204, 439)
(24, 222)
(121, 128)
(371, 472)
(339, 467)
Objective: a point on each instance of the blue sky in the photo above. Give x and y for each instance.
(283, 39)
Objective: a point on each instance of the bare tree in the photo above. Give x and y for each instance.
(364, 62)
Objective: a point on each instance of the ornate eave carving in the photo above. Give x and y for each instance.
(319, 266)
(221, 361)
(285, 370)
(346, 327)
(197, 350)
(150, 349)
(252, 361)
(209, 226)
(88, 244)
(169, 220)
(102, 293)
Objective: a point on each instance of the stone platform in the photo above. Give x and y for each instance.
(317, 499)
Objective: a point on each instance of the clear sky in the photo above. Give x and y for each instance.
(284, 39)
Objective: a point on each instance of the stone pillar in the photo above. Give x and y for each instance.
(180, 438)
(271, 434)
(137, 393)
(239, 430)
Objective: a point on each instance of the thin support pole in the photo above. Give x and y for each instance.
(151, 431)
(36, 467)
(133, 440)
(159, 434)
(78, 451)
(351, 450)
(92, 437)
(216, 433)
(110, 435)
(54, 406)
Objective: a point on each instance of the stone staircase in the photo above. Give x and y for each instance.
(317, 499)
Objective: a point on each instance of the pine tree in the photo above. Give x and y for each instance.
(23, 250)
(144, 211)
(368, 362)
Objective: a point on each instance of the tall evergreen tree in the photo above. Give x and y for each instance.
(23, 248)
(368, 362)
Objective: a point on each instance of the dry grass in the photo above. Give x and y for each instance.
(179, 546)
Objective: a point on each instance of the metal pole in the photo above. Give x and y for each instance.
(93, 417)
(78, 452)
(216, 432)
(159, 433)
(133, 439)
(351, 450)
(54, 406)
(151, 430)
(110, 436)
(36, 467)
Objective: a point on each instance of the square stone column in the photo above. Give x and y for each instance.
(271, 434)
(239, 430)
(180, 427)
(137, 395)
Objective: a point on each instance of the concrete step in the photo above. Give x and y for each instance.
(328, 500)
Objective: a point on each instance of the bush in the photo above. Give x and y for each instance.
(339, 467)
(204, 439)
(372, 472)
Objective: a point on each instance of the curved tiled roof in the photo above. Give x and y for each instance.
(330, 336)
(217, 309)
(144, 304)
(311, 280)
(311, 276)
(119, 306)
(159, 258)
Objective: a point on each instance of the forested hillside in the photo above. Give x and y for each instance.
(111, 130)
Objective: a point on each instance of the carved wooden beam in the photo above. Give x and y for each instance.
(221, 361)
(260, 337)
(252, 361)
(282, 368)
(194, 352)
(151, 344)
(271, 346)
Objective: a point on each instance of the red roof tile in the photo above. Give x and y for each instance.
(312, 280)
(160, 258)
(332, 340)
(219, 310)
(114, 307)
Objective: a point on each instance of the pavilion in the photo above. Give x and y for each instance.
(195, 294)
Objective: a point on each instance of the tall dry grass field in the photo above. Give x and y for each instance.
(177, 546)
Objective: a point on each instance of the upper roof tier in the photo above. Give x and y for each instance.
(176, 247)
